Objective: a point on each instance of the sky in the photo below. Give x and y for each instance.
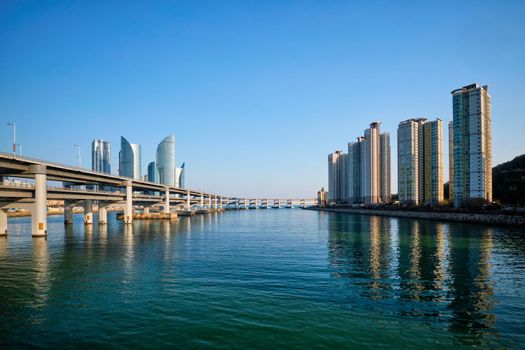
(257, 93)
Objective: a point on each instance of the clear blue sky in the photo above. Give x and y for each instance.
(257, 93)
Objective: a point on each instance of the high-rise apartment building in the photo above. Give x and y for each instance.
(451, 162)
(433, 162)
(472, 140)
(129, 159)
(101, 156)
(337, 170)
(368, 173)
(420, 161)
(166, 161)
(384, 168)
(354, 170)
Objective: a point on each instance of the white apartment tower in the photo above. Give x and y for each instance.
(369, 167)
(472, 140)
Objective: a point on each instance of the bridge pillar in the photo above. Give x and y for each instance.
(39, 212)
(202, 200)
(102, 214)
(188, 200)
(68, 212)
(128, 208)
(220, 202)
(88, 212)
(167, 201)
(209, 202)
(146, 210)
(3, 222)
(215, 202)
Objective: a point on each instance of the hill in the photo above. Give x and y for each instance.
(508, 182)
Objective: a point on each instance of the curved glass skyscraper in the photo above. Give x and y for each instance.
(129, 159)
(166, 161)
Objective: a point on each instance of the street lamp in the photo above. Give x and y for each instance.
(78, 155)
(14, 137)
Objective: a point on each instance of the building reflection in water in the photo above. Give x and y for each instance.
(471, 289)
(422, 269)
(42, 282)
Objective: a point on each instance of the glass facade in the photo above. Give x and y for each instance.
(101, 156)
(152, 172)
(166, 161)
(179, 176)
(129, 159)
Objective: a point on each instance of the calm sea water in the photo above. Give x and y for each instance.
(263, 279)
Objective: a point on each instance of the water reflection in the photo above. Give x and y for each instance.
(41, 282)
(471, 288)
(427, 269)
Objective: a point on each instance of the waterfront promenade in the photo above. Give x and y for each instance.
(490, 218)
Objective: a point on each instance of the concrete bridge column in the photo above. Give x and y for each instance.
(167, 201)
(128, 208)
(215, 202)
(68, 212)
(88, 212)
(102, 214)
(209, 202)
(220, 202)
(188, 200)
(39, 212)
(3, 222)
(202, 200)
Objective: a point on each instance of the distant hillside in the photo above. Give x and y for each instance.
(508, 182)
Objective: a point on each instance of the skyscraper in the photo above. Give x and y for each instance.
(354, 170)
(384, 168)
(472, 139)
(180, 174)
(166, 161)
(433, 162)
(420, 161)
(101, 156)
(129, 159)
(408, 160)
(336, 181)
(368, 176)
(152, 172)
(451, 162)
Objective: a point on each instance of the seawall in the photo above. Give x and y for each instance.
(472, 218)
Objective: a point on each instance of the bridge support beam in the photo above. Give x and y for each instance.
(188, 201)
(3, 222)
(209, 203)
(167, 201)
(39, 212)
(88, 212)
(102, 214)
(128, 208)
(202, 200)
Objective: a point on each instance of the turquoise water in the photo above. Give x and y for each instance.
(286, 279)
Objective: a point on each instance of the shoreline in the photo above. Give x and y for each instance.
(470, 218)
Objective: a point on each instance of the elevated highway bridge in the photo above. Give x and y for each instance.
(125, 193)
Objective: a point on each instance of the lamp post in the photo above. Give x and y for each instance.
(14, 137)
(78, 155)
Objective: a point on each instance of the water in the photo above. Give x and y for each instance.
(260, 279)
